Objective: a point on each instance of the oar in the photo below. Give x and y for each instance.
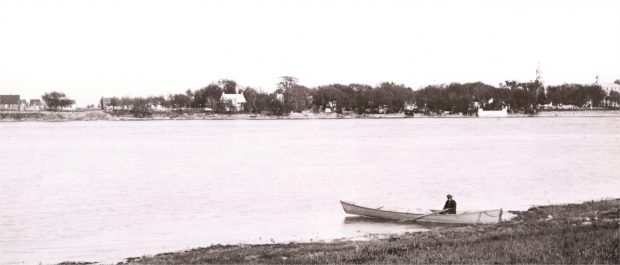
(438, 212)
(413, 220)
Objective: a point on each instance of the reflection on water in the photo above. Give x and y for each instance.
(413, 225)
(103, 191)
(373, 220)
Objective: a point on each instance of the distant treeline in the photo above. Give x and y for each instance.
(386, 97)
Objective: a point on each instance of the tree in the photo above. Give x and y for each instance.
(595, 94)
(250, 95)
(141, 108)
(458, 97)
(617, 81)
(401, 94)
(276, 106)
(228, 86)
(262, 103)
(522, 99)
(190, 96)
(390, 96)
(179, 100)
(576, 94)
(157, 100)
(213, 93)
(541, 98)
(56, 100)
(199, 99)
(328, 97)
(287, 82)
(126, 102)
(114, 102)
(614, 97)
(361, 97)
(296, 98)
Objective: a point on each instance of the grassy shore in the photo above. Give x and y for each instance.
(556, 234)
(55, 116)
(94, 115)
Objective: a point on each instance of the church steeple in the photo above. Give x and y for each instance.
(539, 74)
(596, 83)
(539, 80)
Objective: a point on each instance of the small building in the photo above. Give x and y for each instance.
(36, 104)
(236, 101)
(156, 106)
(10, 102)
(112, 104)
(105, 103)
(608, 87)
(23, 104)
(611, 101)
(548, 106)
(410, 108)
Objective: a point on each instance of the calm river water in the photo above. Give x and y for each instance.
(104, 191)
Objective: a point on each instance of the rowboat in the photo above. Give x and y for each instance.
(467, 217)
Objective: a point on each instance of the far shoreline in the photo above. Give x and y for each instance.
(99, 115)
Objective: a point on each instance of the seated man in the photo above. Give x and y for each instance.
(450, 206)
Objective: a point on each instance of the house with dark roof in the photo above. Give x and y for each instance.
(10, 102)
(36, 104)
(105, 103)
(111, 104)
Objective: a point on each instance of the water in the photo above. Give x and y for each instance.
(104, 191)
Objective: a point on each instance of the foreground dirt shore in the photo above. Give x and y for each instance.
(557, 234)
(98, 115)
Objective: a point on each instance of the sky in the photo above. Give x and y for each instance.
(93, 48)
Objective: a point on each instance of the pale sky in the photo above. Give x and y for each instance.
(94, 48)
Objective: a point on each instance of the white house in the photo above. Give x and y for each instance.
(157, 107)
(236, 100)
(608, 87)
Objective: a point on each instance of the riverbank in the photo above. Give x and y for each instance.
(555, 234)
(98, 115)
(54, 116)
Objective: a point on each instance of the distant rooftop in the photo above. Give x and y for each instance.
(236, 98)
(35, 102)
(9, 99)
(106, 101)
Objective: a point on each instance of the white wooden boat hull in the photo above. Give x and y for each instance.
(469, 217)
